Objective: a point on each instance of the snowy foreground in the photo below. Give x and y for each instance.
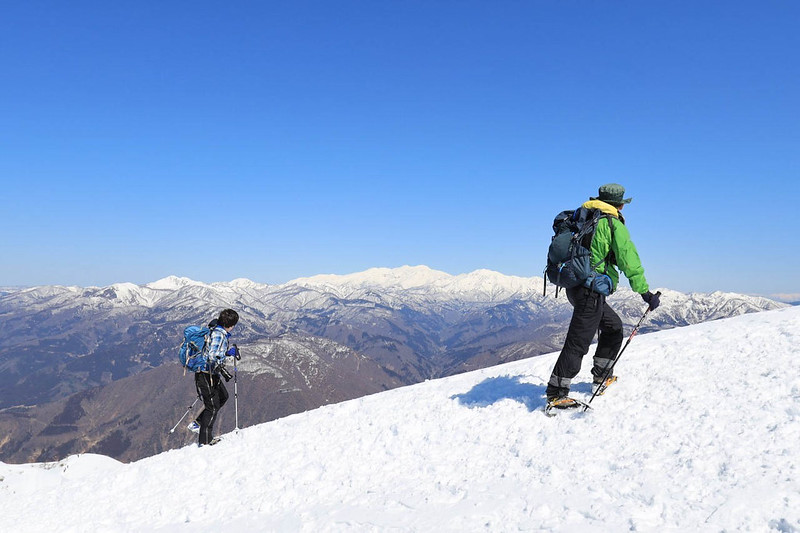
(701, 433)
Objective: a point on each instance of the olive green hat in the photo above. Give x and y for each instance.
(612, 193)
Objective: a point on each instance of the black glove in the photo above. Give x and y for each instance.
(652, 300)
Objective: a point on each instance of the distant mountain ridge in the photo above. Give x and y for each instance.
(480, 286)
(405, 325)
(415, 321)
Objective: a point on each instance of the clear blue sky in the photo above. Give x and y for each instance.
(272, 140)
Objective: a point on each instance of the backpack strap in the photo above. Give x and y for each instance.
(610, 251)
(604, 260)
(185, 342)
(204, 352)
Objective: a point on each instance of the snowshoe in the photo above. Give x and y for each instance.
(563, 403)
(194, 427)
(214, 441)
(599, 387)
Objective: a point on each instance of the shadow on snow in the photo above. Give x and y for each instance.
(493, 390)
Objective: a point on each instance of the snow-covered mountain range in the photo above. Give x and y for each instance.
(402, 325)
(700, 433)
(418, 322)
(417, 286)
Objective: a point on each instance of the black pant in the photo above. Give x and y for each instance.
(214, 395)
(590, 314)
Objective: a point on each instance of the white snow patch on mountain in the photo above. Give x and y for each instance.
(244, 283)
(701, 433)
(405, 277)
(172, 283)
(481, 285)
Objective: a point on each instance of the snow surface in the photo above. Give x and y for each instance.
(701, 433)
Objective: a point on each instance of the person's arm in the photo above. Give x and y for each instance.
(628, 258)
(217, 347)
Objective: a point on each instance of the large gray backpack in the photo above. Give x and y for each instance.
(569, 257)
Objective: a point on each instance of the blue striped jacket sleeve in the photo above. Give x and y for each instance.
(217, 347)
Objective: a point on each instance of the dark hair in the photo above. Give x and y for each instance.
(228, 318)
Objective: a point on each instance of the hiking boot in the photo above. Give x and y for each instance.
(599, 385)
(562, 402)
(194, 427)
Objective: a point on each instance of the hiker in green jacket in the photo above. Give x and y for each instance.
(611, 248)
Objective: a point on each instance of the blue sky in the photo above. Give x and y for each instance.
(273, 140)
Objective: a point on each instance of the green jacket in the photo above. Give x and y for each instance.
(624, 254)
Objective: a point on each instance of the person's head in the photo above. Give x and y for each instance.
(228, 318)
(613, 194)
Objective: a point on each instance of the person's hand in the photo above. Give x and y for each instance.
(652, 300)
(233, 352)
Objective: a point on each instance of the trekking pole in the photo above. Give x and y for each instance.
(236, 386)
(610, 369)
(184, 414)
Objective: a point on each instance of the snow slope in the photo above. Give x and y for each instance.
(700, 434)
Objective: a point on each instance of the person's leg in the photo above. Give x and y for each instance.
(608, 342)
(210, 396)
(198, 376)
(586, 316)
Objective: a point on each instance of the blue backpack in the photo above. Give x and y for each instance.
(193, 349)
(569, 257)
